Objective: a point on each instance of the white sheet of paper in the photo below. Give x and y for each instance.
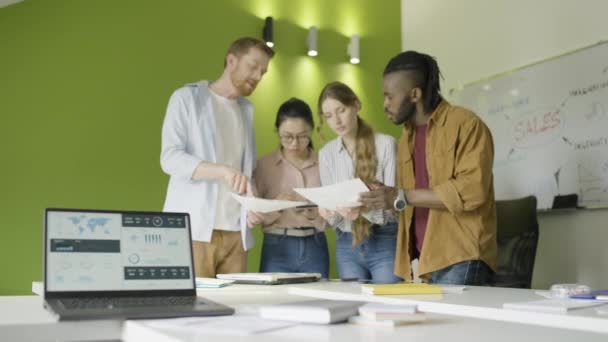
(202, 283)
(229, 325)
(262, 205)
(339, 195)
(558, 305)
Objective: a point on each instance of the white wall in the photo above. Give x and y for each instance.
(572, 248)
(4, 3)
(474, 39)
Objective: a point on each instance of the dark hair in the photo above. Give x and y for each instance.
(295, 108)
(425, 73)
(242, 45)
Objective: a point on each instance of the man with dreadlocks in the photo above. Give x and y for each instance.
(445, 193)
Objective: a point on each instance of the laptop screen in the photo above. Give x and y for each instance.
(116, 251)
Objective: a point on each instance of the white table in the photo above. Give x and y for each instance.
(475, 302)
(22, 318)
(438, 327)
(452, 317)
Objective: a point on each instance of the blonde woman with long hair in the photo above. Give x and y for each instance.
(365, 239)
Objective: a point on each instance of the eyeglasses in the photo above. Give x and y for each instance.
(288, 139)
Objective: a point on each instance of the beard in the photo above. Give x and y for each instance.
(241, 85)
(406, 112)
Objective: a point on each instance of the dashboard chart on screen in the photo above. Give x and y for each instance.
(90, 251)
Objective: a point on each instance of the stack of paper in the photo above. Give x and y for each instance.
(388, 315)
(311, 311)
(401, 289)
(380, 311)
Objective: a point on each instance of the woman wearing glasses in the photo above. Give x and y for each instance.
(365, 239)
(294, 239)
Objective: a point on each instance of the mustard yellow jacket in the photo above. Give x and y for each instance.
(459, 157)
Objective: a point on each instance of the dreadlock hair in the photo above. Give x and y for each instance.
(425, 73)
(365, 157)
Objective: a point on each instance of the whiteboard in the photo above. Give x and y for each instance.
(549, 121)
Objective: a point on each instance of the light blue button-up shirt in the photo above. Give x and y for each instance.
(189, 137)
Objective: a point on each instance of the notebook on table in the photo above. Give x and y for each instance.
(271, 278)
(120, 264)
(321, 311)
(401, 289)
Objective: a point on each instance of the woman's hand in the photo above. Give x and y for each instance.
(310, 213)
(254, 218)
(349, 213)
(326, 213)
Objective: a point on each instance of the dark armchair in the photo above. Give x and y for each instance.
(517, 235)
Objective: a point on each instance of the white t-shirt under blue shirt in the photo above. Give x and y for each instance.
(229, 151)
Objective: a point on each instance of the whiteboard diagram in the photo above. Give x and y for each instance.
(549, 122)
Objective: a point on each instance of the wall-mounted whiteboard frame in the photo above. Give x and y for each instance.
(549, 121)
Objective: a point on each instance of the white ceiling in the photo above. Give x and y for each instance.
(4, 3)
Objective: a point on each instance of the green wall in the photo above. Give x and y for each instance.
(84, 86)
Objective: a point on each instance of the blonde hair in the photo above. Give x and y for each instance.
(366, 160)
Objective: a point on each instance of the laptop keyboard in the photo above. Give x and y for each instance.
(125, 302)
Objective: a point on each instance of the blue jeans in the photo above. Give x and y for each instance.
(283, 253)
(471, 272)
(373, 259)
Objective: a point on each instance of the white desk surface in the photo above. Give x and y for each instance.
(23, 318)
(475, 302)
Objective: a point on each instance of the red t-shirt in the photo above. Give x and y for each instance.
(421, 215)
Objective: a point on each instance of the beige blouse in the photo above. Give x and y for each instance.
(274, 175)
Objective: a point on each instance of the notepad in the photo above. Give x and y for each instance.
(401, 289)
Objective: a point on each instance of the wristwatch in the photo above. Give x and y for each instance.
(400, 202)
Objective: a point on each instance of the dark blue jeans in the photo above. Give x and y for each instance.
(373, 259)
(283, 253)
(471, 272)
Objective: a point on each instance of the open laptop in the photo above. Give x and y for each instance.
(271, 278)
(102, 264)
